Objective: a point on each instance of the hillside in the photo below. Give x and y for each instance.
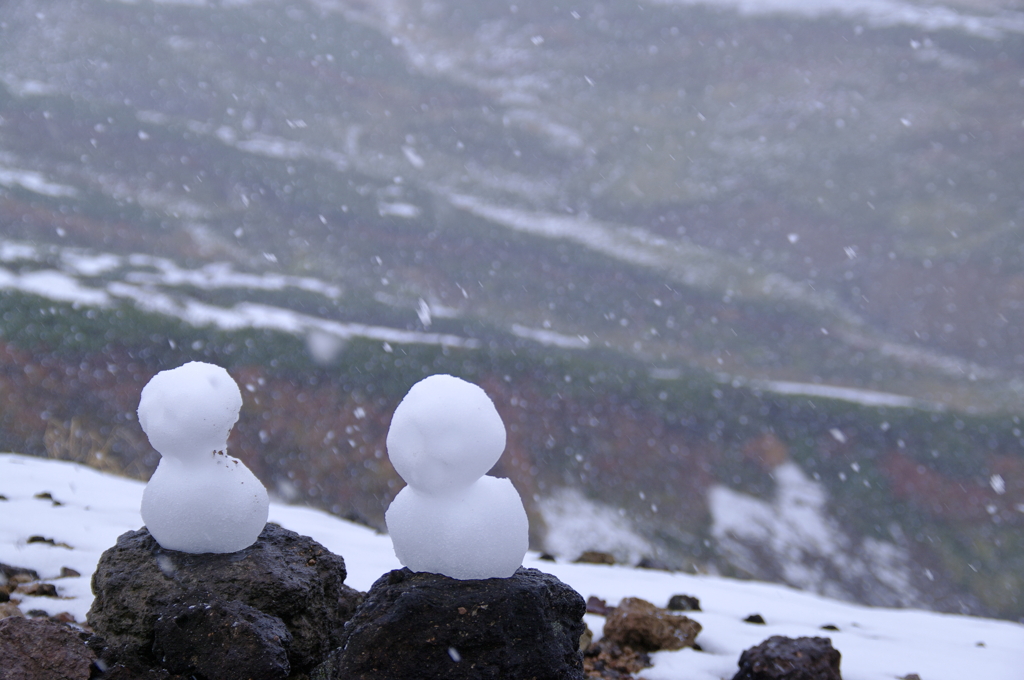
(703, 255)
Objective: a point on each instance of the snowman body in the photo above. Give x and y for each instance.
(452, 518)
(199, 499)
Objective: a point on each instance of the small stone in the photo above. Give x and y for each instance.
(830, 626)
(17, 574)
(47, 541)
(38, 649)
(68, 572)
(684, 603)
(526, 626)
(596, 605)
(783, 658)
(640, 625)
(608, 661)
(37, 589)
(755, 618)
(10, 609)
(595, 557)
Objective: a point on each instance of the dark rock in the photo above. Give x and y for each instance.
(648, 562)
(683, 603)
(783, 658)
(596, 605)
(755, 618)
(221, 639)
(641, 626)
(37, 589)
(283, 575)
(595, 557)
(428, 626)
(830, 626)
(547, 557)
(16, 574)
(68, 572)
(38, 649)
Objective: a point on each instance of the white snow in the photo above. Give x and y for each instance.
(876, 643)
(851, 394)
(452, 519)
(199, 499)
(151, 285)
(33, 181)
(879, 13)
(551, 338)
(806, 544)
(575, 524)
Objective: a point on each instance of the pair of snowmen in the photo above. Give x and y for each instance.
(451, 519)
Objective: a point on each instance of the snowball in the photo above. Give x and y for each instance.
(189, 411)
(444, 435)
(217, 506)
(478, 532)
(199, 499)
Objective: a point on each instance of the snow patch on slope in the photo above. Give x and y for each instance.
(793, 538)
(576, 524)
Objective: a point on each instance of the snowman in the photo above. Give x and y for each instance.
(452, 519)
(199, 500)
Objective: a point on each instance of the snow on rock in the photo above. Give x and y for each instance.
(199, 500)
(452, 519)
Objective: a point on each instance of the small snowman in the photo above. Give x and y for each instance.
(199, 500)
(452, 519)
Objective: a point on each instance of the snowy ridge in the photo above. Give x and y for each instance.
(877, 13)
(850, 394)
(876, 644)
(151, 284)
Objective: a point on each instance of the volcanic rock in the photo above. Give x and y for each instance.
(783, 658)
(38, 649)
(283, 575)
(683, 603)
(222, 639)
(640, 625)
(432, 627)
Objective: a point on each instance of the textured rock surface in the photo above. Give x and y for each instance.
(37, 649)
(783, 658)
(640, 625)
(631, 630)
(427, 626)
(282, 575)
(222, 639)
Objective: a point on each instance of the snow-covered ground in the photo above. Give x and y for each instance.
(86, 510)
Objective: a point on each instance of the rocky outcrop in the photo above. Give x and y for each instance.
(39, 649)
(783, 658)
(431, 627)
(283, 599)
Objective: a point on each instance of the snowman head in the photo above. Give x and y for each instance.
(445, 435)
(188, 412)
